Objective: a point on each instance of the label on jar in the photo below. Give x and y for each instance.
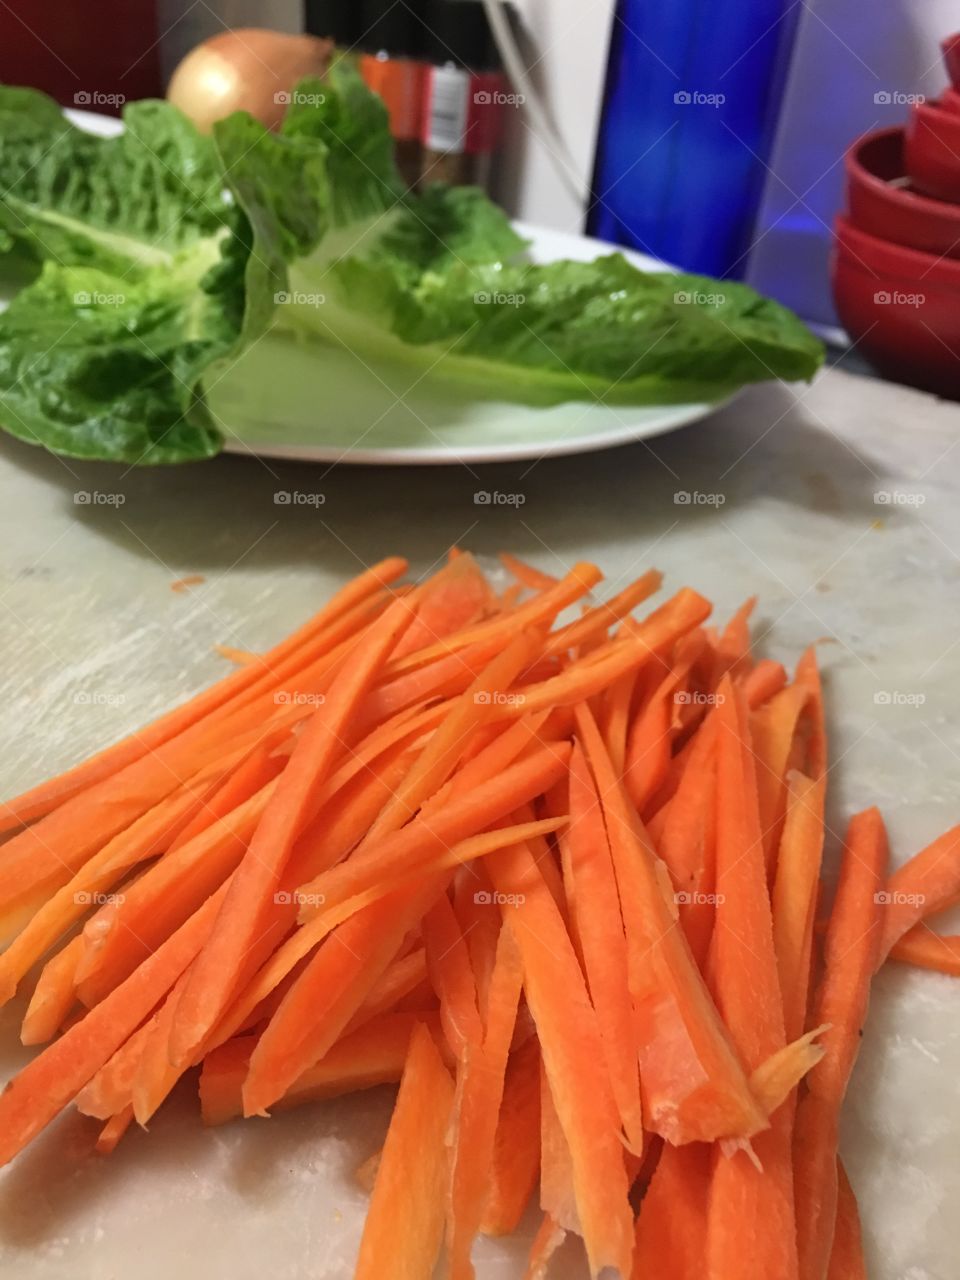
(448, 109)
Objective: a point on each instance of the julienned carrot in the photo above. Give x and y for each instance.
(591, 891)
(452, 599)
(732, 652)
(260, 767)
(406, 976)
(851, 950)
(40, 800)
(53, 996)
(684, 835)
(550, 1236)
(527, 574)
(144, 839)
(113, 1131)
(774, 1080)
(372, 1055)
(542, 608)
(223, 965)
(671, 1232)
(472, 897)
(111, 1089)
(516, 1153)
(419, 843)
(928, 883)
(480, 1085)
(750, 1221)
(597, 621)
(773, 727)
(810, 745)
(573, 1060)
(330, 989)
(795, 889)
(404, 1226)
(442, 752)
(762, 683)
(44, 1087)
(846, 1255)
(452, 976)
(928, 950)
(651, 735)
(694, 1087)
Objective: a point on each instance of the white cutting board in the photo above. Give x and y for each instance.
(94, 642)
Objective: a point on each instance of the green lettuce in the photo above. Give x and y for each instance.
(162, 256)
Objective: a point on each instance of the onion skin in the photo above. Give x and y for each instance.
(250, 69)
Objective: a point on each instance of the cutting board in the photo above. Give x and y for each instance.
(837, 504)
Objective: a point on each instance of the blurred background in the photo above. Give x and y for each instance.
(710, 135)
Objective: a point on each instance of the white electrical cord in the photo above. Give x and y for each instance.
(542, 126)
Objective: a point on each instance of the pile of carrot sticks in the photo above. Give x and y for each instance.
(559, 879)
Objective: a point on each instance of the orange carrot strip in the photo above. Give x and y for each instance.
(795, 895)
(404, 1226)
(591, 891)
(480, 1085)
(694, 1087)
(594, 623)
(573, 1059)
(542, 608)
(372, 1055)
(773, 1081)
(144, 839)
(407, 975)
(43, 1088)
(650, 744)
(617, 703)
(810, 749)
(928, 883)
(733, 646)
(750, 1218)
(332, 986)
(763, 683)
(54, 995)
(111, 1089)
(455, 598)
(448, 963)
(516, 1152)
(224, 963)
(546, 1242)
(260, 767)
(846, 1256)
(422, 840)
(527, 574)
(928, 950)
(773, 727)
(239, 657)
(671, 1234)
(113, 1131)
(40, 800)
(851, 952)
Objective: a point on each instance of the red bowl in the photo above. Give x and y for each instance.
(881, 201)
(950, 100)
(900, 307)
(951, 56)
(933, 150)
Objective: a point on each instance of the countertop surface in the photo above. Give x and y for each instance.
(837, 504)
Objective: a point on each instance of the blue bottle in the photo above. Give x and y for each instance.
(691, 103)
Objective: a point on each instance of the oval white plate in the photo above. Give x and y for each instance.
(391, 416)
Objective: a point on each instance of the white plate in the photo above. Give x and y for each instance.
(390, 416)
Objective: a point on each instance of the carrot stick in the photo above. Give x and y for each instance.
(224, 964)
(259, 768)
(591, 891)
(773, 728)
(44, 1087)
(928, 950)
(795, 895)
(419, 843)
(846, 1256)
(113, 1131)
(407, 974)
(775, 1079)
(448, 964)
(527, 574)
(750, 1219)
(54, 995)
(694, 1087)
(595, 622)
(851, 952)
(928, 883)
(652, 734)
(372, 1055)
(617, 704)
(573, 1059)
(502, 627)
(480, 1085)
(144, 839)
(111, 1089)
(456, 597)
(733, 647)
(547, 1241)
(330, 989)
(671, 1233)
(40, 800)
(404, 1226)
(516, 1152)
(763, 683)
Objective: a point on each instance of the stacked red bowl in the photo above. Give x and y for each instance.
(896, 265)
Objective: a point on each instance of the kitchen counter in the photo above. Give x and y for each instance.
(838, 505)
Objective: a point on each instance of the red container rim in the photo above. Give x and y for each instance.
(893, 259)
(917, 201)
